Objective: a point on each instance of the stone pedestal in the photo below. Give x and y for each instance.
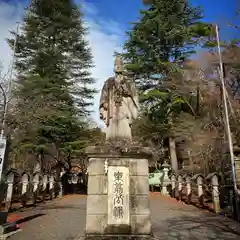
(117, 201)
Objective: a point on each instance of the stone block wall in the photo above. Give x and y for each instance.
(97, 207)
(97, 202)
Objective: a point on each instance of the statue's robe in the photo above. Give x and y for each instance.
(118, 118)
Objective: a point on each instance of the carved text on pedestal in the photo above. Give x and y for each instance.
(118, 195)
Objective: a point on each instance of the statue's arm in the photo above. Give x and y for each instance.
(135, 100)
(104, 96)
(103, 105)
(102, 113)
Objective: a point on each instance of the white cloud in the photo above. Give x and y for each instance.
(89, 7)
(103, 46)
(105, 37)
(9, 14)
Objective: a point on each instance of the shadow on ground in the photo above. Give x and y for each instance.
(171, 220)
(52, 207)
(26, 219)
(197, 228)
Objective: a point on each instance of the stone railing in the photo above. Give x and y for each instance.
(192, 189)
(20, 189)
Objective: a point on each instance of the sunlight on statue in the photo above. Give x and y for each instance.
(118, 103)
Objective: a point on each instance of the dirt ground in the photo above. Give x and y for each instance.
(64, 219)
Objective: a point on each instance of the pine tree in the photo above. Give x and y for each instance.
(166, 33)
(52, 45)
(53, 87)
(156, 49)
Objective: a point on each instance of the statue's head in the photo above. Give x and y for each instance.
(118, 66)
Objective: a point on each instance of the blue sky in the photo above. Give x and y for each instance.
(108, 21)
(125, 11)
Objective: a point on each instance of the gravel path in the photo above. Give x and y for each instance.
(173, 220)
(61, 219)
(64, 219)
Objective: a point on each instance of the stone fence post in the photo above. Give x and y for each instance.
(237, 164)
(213, 177)
(180, 187)
(51, 186)
(188, 188)
(25, 182)
(215, 193)
(51, 182)
(45, 181)
(60, 194)
(173, 183)
(199, 179)
(27, 186)
(36, 182)
(44, 186)
(10, 181)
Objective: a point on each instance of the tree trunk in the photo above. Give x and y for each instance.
(173, 154)
(190, 161)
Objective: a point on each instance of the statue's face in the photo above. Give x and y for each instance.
(118, 65)
(118, 78)
(118, 61)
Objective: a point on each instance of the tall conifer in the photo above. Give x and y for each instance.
(53, 83)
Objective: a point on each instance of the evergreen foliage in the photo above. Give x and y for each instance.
(54, 85)
(166, 33)
(156, 50)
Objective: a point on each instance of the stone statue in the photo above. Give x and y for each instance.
(118, 103)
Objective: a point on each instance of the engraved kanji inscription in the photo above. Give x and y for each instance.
(118, 195)
(118, 212)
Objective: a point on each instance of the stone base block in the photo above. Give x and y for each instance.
(118, 230)
(141, 225)
(98, 224)
(97, 204)
(118, 237)
(8, 227)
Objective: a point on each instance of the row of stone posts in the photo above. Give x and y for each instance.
(26, 189)
(182, 187)
(30, 188)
